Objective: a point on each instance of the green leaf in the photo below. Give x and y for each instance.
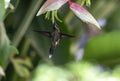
(13, 50)
(5, 48)
(104, 48)
(22, 66)
(2, 10)
(4, 45)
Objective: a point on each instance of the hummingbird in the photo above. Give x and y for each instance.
(55, 36)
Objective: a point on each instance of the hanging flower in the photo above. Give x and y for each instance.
(51, 5)
(82, 13)
(79, 11)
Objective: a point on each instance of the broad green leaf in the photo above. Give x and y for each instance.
(4, 45)
(13, 50)
(104, 48)
(22, 66)
(5, 48)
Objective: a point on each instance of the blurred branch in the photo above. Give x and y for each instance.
(25, 47)
(106, 7)
(35, 45)
(26, 22)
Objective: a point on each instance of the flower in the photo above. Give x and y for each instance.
(79, 11)
(51, 5)
(82, 13)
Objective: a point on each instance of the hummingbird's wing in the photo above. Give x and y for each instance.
(46, 33)
(65, 36)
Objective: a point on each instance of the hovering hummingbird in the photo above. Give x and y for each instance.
(55, 36)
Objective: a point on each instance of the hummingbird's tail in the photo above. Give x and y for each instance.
(51, 52)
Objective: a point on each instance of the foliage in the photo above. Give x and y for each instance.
(75, 72)
(24, 53)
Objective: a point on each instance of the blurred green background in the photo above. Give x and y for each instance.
(92, 55)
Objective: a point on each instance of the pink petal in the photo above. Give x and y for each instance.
(83, 14)
(51, 5)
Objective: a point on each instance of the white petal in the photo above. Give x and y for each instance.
(83, 14)
(50, 7)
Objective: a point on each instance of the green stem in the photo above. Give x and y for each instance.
(25, 47)
(26, 22)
